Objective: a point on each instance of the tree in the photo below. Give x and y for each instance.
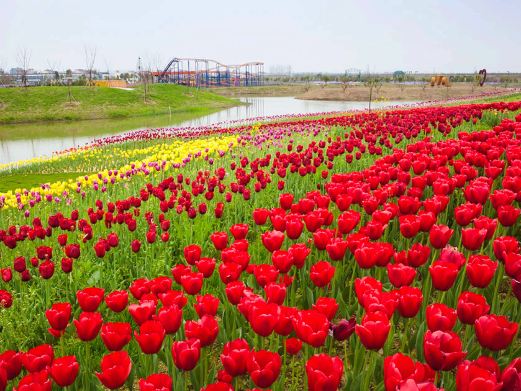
(24, 57)
(68, 78)
(373, 83)
(90, 59)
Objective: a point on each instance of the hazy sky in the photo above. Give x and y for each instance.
(308, 35)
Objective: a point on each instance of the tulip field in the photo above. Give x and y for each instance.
(364, 251)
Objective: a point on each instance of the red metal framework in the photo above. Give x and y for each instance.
(197, 72)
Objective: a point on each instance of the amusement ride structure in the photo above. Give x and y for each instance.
(201, 72)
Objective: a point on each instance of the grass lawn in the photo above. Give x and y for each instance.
(27, 181)
(52, 103)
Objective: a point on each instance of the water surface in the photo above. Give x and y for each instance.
(25, 141)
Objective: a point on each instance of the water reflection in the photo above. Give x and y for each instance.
(25, 141)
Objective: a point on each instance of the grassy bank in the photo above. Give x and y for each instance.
(53, 104)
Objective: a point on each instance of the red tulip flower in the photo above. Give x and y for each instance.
(11, 362)
(480, 270)
(495, 332)
(88, 325)
(263, 318)
(399, 368)
(311, 327)
(373, 330)
(400, 274)
(35, 381)
(272, 240)
(116, 335)
(321, 273)
(471, 306)
(186, 353)
(115, 369)
(64, 370)
(192, 253)
(324, 372)
(234, 357)
(481, 374)
(410, 301)
(206, 305)
(156, 382)
(442, 350)
(143, 311)
(439, 236)
(511, 376)
(117, 301)
(443, 274)
(440, 317)
(59, 315)
(263, 367)
(192, 282)
(89, 299)
(239, 231)
(205, 330)
(473, 238)
(38, 358)
(293, 346)
(150, 337)
(326, 305)
(219, 240)
(282, 260)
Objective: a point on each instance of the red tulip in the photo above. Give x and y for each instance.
(409, 225)
(186, 353)
(495, 332)
(115, 369)
(260, 216)
(263, 367)
(192, 283)
(294, 227)
(263, 318)
(156, 382)
(116, 335)
(282, 260)
(192, 253)
(219, 240)
(38, 358)
(399, 368)
(239, 231)
(117, 301)
(206, 266)
(59, 315)
(443, 274)
(440, 317)
(205, 330)
(234, 357)
(471, 306)
(275, 293)
(206, 305)
(64, 370)
(410, 300)
(439, 236)
(373, 330)
(326, 305)
(143, 311)
(511, 376)
(293, 346)
(299, 253)
(400, 274)
(35, 381)
(311, 327)
(89, 299)
(508, 215)
(480, 270)
(480, 374)
(272, 240)
(11, 362)
(324, 372)
(321, 273)
(473, 238)
(88, 325)
(442, 350)
(150, 337)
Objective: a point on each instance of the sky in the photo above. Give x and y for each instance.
(306, 35)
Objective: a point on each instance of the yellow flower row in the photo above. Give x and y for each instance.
(172, 153)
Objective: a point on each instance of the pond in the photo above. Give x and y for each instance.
(25, 141)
